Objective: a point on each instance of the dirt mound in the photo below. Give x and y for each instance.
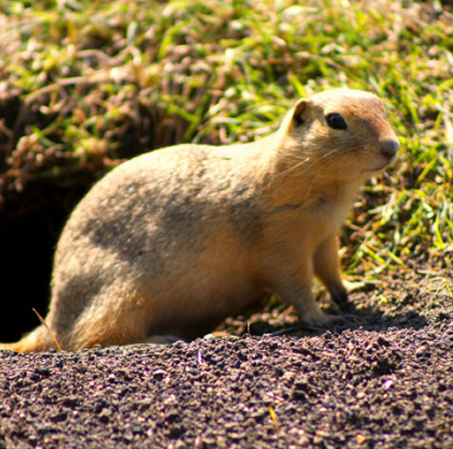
(352, 388)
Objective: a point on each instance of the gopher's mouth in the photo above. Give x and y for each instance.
(381, 167)
(371, 170)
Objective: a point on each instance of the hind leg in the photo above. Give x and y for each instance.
(116, 317)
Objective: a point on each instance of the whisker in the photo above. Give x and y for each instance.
(294, 167)
(343, 149)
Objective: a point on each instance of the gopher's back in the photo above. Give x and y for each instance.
(152, 237)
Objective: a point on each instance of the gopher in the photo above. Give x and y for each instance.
(174, 241)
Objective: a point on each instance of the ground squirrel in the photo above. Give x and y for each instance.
(174, 241)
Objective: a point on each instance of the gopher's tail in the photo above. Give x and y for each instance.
(38, 340)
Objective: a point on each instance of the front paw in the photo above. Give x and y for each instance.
(332, 321)
(341, 320)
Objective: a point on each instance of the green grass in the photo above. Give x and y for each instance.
(85, 84)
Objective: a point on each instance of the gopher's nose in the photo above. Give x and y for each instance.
(389, 148)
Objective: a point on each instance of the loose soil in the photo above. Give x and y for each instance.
(382, 380)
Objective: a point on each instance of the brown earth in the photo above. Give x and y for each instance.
(382, 380)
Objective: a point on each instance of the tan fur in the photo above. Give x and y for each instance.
(174, 241)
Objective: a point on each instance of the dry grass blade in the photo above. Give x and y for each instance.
(54, 338)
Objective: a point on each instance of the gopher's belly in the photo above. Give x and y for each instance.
(192, 306)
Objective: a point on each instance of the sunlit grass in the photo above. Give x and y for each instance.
(100, 81)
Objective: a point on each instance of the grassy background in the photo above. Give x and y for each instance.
(85, 84)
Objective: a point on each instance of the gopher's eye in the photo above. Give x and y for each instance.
(336, 121)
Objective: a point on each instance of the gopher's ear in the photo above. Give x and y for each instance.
(298, 112)
(295, 117)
